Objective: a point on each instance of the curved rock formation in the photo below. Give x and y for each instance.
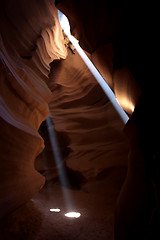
(30, 39)
(25, 96)
(113, 33)
(81, 110)
(132, 33)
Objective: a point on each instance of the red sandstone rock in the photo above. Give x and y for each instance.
(30, 39)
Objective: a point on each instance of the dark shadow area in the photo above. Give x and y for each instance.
(24, 223)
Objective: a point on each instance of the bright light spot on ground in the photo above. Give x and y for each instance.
(55, 210)
(72, 215)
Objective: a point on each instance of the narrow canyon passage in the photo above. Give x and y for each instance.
(63, 147)
(94, 151)
(82, 113)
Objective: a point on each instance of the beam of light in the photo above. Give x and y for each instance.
(57, 210)
(66, 28)
(61, 171)
(59, 163)
(64, 23)
(72, 214)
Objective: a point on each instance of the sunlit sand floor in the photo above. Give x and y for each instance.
(95, 201)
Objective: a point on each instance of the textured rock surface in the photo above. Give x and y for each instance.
(30, 39)
(114, 32)
(81, 111)
(133, 34)
(126, 89)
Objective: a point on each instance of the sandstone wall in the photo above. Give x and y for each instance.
(30, 39)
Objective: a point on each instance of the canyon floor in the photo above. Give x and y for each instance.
(95, 201)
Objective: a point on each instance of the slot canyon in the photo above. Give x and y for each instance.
(64, 149)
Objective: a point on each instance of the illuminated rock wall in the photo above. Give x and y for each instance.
(106, 31)
(82, 112)
(30, 39)
(133, 75)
